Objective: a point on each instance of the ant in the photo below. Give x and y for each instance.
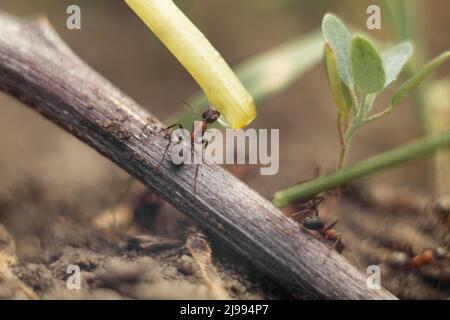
(315, 223)
(209, 117)
(430, 263)
(312, 221)
(408, 263)
(409, 260)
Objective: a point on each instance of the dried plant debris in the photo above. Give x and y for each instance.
(148, 243)
(199, 248)
(10, 285)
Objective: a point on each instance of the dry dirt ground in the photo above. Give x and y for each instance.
(61, 203)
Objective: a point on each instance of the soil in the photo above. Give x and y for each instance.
(63, 204)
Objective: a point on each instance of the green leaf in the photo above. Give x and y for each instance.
(367, 66)
(266, 74)
(273, 71)
(394, 60)
(337, 36)
(340, 91)
(418, 78)
(399, 16)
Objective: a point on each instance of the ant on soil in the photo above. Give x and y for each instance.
(209, 117)
(409, 263)
(409, 260)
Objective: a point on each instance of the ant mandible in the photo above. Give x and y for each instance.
(209, 117)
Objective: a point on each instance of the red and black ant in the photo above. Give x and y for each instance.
(405, 262)
(209, 117)
(328, 232)
(314, 223)
(409, 260)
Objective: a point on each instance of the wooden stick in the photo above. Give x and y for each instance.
(39, 69)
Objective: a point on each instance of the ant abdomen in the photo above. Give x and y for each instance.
(313, 223)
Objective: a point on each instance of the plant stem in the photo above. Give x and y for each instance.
(379, 115)
(345, 148)
(420, 148)
(357, 120)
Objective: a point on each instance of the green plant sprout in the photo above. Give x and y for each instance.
(357, 73)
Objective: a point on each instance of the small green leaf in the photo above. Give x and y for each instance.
(394, 60)
(367, 66)
(340, 91)
(399, 14)
(337, 36)
(418, 78)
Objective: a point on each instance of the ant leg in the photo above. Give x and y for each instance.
(331, 225)
(205, 144)
(190, 107)
(338, 246)
(178, 125)
(164, 155)
(310, 204)
(403, 282)
(195, 179)
(316, 173)
(315, 203)
(317, 200)
(300, 213)
(168, 136)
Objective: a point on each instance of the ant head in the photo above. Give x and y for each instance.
(211, 115)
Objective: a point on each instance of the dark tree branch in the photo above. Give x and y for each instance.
(39, 69)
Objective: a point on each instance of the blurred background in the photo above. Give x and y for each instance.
(47, 177)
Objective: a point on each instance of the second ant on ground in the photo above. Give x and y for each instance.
(308, 210)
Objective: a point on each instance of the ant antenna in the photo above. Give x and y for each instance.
(190, 107)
